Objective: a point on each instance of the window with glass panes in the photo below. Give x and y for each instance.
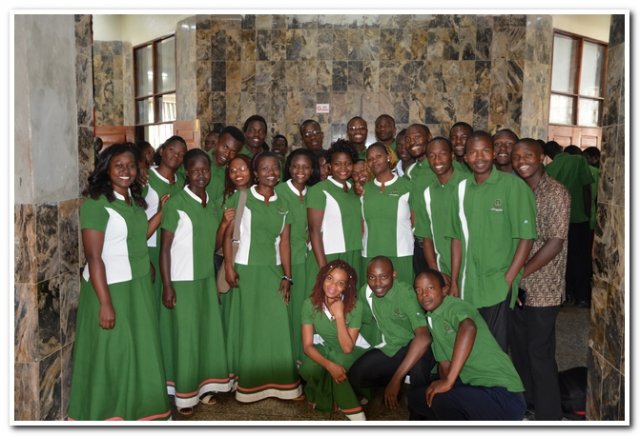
(155, 89)
(577, 83)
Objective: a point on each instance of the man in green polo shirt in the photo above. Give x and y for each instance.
(432, 209)
(493, 225)
(393, 323)
(476, 379)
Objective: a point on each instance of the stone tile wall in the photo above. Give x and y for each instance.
(47, 263)
(434, 69)
(606, 359)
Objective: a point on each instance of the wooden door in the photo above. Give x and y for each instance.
(583, 137)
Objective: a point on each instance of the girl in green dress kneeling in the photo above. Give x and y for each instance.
(331, 319)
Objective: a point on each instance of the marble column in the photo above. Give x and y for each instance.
(607, 354)
(53, 130)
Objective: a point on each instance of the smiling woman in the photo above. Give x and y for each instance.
(117, 327)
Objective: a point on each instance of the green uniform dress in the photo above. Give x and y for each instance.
(490, 219)
(157, 187)
(320, 388)
(384, 210)
(433, 215)
(341, 226)
(258, 341)
(487, 365)
(296, 206)
(194, 349)
(118, 373)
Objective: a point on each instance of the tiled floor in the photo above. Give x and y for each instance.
(572, 335)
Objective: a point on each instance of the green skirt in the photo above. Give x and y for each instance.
(259, 340)
(299, 292)
(118, 374)
(196, 354)
(320, 388)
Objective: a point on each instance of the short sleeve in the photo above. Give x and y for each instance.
(170, 216)
(316, 198)
(307, 312)
(421, 216)
(522, 211)
(93, 215)
(454, 230)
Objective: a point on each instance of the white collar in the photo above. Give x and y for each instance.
(259, 196)
(194, 196)
(338, 184)
(295, 190)
(119, 196)
(160, 176)
(390, 182)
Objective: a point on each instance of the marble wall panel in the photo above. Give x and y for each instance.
(443, 44)
(65, 379)
(484, 37)
(535, 108)
(84, 89)
(248, 107)
(25, 392)
(48, 316)
(248, 22)
(86, 157)
(234, 108)
(595, 368)
(50, 378)
(69, 234)
(614, 327)
(340, 44)
(302, 21)
(129, 108)
(47, 254)
(248, 45)
(614, 88)
(616, 36)
(610, 395)
(25, 265)
(324, 75)
(406, 45)
(233, 77)
(325, 44)
(302, 44)
(69, 286)
(25, 323)
(108, 82)
(219, 76)
(248, 77)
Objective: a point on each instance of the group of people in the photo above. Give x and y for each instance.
(325, 274)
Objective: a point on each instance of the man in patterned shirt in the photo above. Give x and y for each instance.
(533, 333)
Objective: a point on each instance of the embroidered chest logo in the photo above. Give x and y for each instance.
(448, 329)
(497, 206)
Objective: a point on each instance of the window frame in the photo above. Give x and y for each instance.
(577, 62)
(155, 95)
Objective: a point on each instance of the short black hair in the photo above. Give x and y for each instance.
(442, 139)
(434, 274)
(342, 146)
(234, 132)
(478, 134)
(552, 148)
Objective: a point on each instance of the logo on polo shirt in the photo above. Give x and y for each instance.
(497, 206)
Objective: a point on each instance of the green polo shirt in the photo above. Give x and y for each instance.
(298, 219)
(341, 224)
(433, 217)
(215, 188)
(573, 172)
(389, 322)
(421, 176)
(490, 219)
(487, 365)
(194, 235)
(383, 211)
(260, 228)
